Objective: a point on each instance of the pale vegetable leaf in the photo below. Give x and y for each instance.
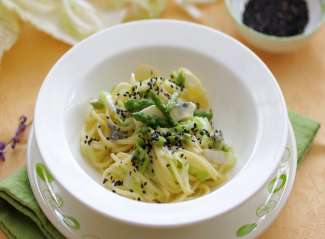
(9, 29)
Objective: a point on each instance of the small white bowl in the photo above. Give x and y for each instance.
(248, 104)
(277, 44)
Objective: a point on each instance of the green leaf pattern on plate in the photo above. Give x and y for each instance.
(54, 200)
(277, 183)
(43, 173)
(286, 156)
(71, 222)
(246, 229)
(265, 208)
(273, 187)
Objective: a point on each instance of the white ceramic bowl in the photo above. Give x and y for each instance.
(244, 95)
(273, 43)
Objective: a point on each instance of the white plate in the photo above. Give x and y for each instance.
(247, 221)
(241, 90)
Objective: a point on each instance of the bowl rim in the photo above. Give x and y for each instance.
(302, 36)
(148, 214)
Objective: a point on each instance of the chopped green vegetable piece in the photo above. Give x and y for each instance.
(151, 135)
(199, 174)
(152, 121)
(226, 148)
(203, 175)
(140, 142)
(172, 102)
(106, 99)
(173, 138)
(126, 122)
(97, 104)
(178, 77)
(202, 123)
(184, 126)
(140, 158)
(206, 114)
(161, 141)
(137, 105)
(186, 138)
(155, 98)
(145, 130)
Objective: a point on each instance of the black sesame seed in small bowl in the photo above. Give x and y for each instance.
(277, 25)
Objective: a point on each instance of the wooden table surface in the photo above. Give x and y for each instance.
(301, 76)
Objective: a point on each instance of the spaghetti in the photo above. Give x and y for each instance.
(153, 140)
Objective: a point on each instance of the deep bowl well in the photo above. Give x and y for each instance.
(247, 101)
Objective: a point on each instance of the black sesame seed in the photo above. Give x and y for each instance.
(105, 180)
(118, 183)
(143, 191)
(113, 191)
(139, 199)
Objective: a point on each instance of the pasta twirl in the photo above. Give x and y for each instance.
(153, 140)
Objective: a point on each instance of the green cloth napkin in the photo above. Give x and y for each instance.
(21, 217)
(305, 130)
